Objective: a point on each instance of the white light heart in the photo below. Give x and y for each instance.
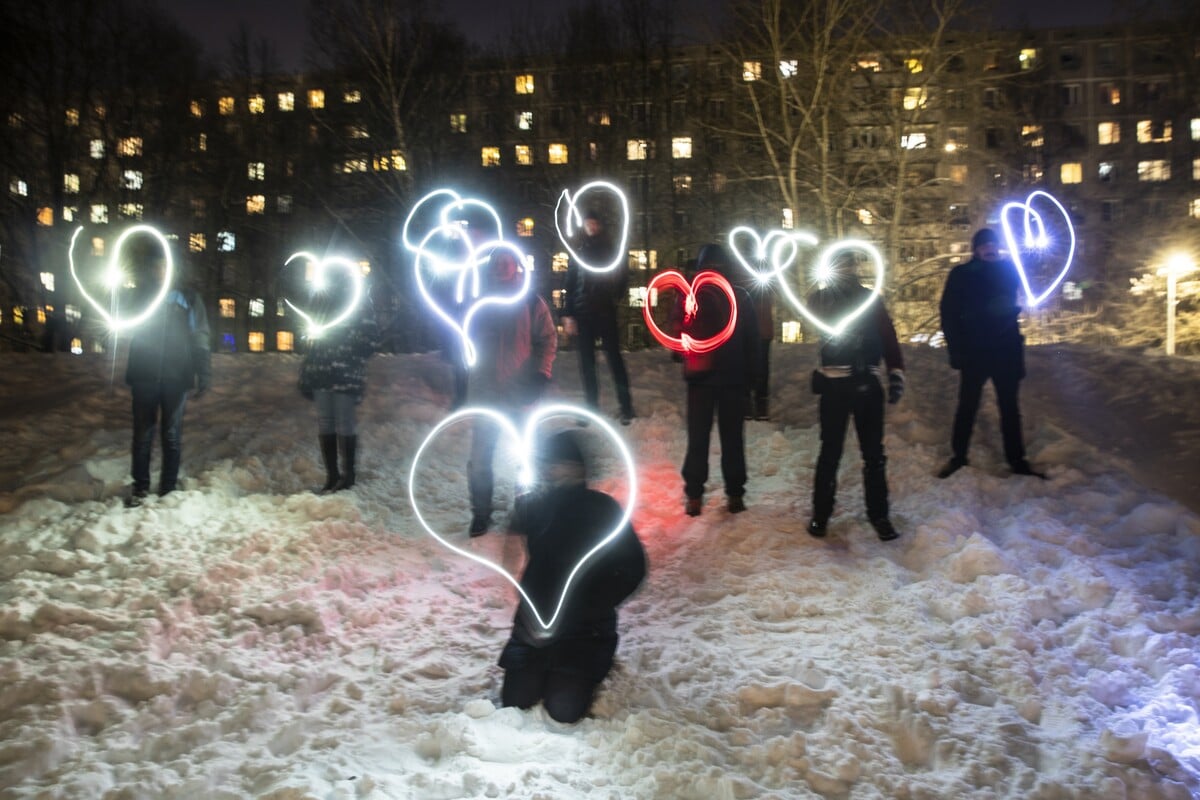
(453, 217)
(574, 219)
(822, 272)
(319, 281)
(778, 250)
(525, 443)
(1036, 238)
(114, 278)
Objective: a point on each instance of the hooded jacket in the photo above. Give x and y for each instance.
(980, 313)
(734, 362)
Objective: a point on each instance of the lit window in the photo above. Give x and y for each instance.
(199, 143)
(129, 146)
(643, 259)
(865, 216)
(285, 341)
(225, 106)
(523, 154)
(130, 210)
(1157, 169)
(559, 298)
(99, 213)
(1110, 94)
(41, 315)
(357, 132)
(1195, 129)
(316, 98)
(228, 307)
(681, 147)
(352, 96)
(790, 332)
(913, 141)
(787, 220)
(45, 216)
(788, 68)
(559, 262)
(525, 120)
(100, 110)
(287, 101)
(71, 183)
(1071, 173)
(18, 315)
(1108, 132)
(96, 148)
(283, 204)
(525, 227)
(48, 281)
(1027, 58)
(523, 84)
(557, 153)
(1152, 131)
(131, 179)
(256, 171)
(72, 117)
(868, 63)
(352, 165)
(915, 98)
(196, 242)
(256, 104)
(256, 204)
(599, 116)
(637, 149)
(1194, 208)
(490, 156)
(1196, 169)
(1032, 173)
(958, 173)
(751, 71)
(69, 213)
(683, 184)
(1032, 136)
(913, 65)
(226, 241)
(256, 341)
(256, 307)
(98, 246)
(196, 107)
(390, 162)
(1107, 171)
(364, 266)
(458, 123)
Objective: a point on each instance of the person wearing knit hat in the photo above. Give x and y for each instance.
(979, 314)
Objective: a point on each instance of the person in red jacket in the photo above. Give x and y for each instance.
(848, 385)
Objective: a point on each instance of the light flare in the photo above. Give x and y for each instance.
(1036, 237)
(823, 272)
(320, 282)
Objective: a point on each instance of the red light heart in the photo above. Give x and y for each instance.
(684, 343)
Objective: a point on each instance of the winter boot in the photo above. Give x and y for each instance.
(884, 529)
(952, 466)
(693, 506)
(348, 446)
(329, 455)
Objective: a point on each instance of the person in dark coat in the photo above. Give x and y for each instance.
(334, 375)
(983, 340)
(169, 356)
(717, 385)
(848, 385)
(562, 520)
(760, 391)
(589, 313)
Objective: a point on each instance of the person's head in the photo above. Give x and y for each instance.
(985, 245)
(560, 459)
(503, 267)
(592, 224)
(713, 256)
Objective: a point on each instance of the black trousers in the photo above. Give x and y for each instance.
(862, 398)
(1006, 378)
(566, 696)
(148, 401)
(602, 327)
(728, 404)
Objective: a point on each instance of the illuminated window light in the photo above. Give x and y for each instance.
(352, 165)
(41, 315)
(285, 341)
(286, 101)
(787, 219)
(227, 307)
(1108, 133)
(1071, 172)
(914, 98)
(682, 184)
(958, 174)
(98, 246)
(47, 279)
(256, 341)
(18, 187)
(77, 346)
(98, 213)
(1032, 136)
(225, 106)
(523, 84)
(681, 147)
(1195, 127)
(1149, 131)
(643, 260)
(357, 132)
(557, 153)
(196, 242)
(256, 204)
(364, 266)
(131, 179)
(226, 241)
(525, 120)
(914, 65)
(18, 315)
(1027, 58)
(316, 98)
(45, 216)
(559, 262)
(489, 156)
(458, 123)
(256, 171)
(1154, 170)
(256, 104)
(69, 213)
(868, 63)
(96, 148)
(196, 108)
(351, 96)
(790, 331)
(130, 210)
(71, 183)
(525, 226)
(1196, 169)
(751, 71)
(1194, 208)
(72, 117)
(865, 217)
(523, 154)
(913, 141)
(637, 149)
(256, 307)
(390, 162)
(788, 68)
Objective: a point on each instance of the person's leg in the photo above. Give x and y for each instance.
(834, 414)
(172, 402)
(1007, 384)
(868, 424)
(523, 686)
(327, 437)
(480, 480)
(586, 342)
(567, 696)
(731, 425)
(145, 417)
(610, 337)
(700, 407)
(970, 387)
(762, 385)
(345, 422)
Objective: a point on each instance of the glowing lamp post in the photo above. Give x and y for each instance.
(1178, 264)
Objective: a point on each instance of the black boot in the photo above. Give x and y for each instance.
(348, 446)
(329, 455)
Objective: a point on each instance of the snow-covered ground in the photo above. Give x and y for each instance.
(246, 638)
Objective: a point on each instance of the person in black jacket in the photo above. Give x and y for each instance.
(562, 520)
(848, 385)
(334, 375)
(718, 383)
(169, 356)
(983, 339)
(590, 312)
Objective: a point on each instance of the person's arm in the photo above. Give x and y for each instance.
(892, 357)
(951, 310)
(201, 344)
(543, 338)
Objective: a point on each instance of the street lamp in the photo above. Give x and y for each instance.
(1178, 264)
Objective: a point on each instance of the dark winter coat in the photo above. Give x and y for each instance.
(588, 294)
(979, 314)
(561, 524)
(171, 349)
(735, 362)
(865, 341)
(337, 359)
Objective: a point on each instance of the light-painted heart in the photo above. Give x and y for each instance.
(481, 296)
(568, 218)
(317, 281)
(824, 270)
(113, 278)
(524, 445)
(453, 214)
(672, 279)
(1035, 239)
(777, 251)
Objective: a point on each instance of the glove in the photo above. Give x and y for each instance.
(203, 383)
(895, 386)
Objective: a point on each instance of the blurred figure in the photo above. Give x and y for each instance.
(763, 302)
(169, 356)
(590, 313)
(515, 347)
(717, 385)
(334, 376)
(848, 385)
(984, 342)
(562, 520)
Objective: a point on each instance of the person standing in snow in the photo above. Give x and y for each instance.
(169, 356)
(718, 383)
(515, 347)
(562, 520)
(847, 383)
(983, 340)
(334, 376)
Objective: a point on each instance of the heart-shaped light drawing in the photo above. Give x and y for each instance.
(821, 273)
(672, 279)
(450, 222)
(574, 219)
(480, 254)
(1035, 238)
(319, 281)
(525, 445)
(114, 277)
(778, 250)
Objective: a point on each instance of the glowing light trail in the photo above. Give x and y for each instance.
(113, 276)
(574, 219)
(1036, 238)
(320, 282)
(672, 279)
(778, 257)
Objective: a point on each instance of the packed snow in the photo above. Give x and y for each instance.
(245, 637)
